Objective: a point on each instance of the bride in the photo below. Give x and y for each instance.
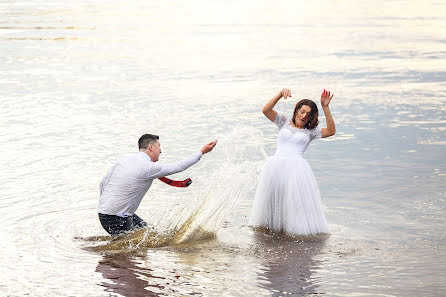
(287, 197)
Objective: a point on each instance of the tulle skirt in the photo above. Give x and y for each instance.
(287, 198)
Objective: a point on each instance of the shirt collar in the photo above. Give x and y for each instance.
(145, 156)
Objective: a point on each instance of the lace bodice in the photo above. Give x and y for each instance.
(292, 141)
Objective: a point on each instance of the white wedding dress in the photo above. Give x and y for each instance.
(287, 197)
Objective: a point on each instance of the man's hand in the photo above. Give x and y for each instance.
(208, 147)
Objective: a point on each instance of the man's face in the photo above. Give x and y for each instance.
(155, 151)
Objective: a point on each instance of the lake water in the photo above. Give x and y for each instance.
(81, 81)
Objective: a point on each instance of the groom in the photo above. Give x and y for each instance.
(129, 179)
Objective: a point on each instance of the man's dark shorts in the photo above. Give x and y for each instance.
(116, 225)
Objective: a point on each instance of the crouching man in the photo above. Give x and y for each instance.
(129, 179)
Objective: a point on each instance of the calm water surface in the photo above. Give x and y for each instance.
(81, 81)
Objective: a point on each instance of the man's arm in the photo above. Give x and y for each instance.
(160, 170)
(106, 179)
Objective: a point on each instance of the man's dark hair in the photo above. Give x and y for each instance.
(147, 139)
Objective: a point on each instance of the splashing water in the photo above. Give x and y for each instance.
(237, 168)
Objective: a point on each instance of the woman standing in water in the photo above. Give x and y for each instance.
(287, 198)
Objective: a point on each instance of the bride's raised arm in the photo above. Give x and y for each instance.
(331, 128)
(268, 110)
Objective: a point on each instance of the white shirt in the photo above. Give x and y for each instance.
(129, 179)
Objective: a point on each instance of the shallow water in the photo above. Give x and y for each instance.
(81, 81)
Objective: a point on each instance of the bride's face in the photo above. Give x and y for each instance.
(302, 116)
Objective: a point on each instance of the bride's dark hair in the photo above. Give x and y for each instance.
(312, 117)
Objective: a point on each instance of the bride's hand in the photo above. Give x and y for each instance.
(326, 98)
(285, 93)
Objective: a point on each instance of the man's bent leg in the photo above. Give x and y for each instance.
(137, 222)
(115, 225)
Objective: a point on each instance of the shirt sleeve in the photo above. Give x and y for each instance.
(160, 170)
(316, 132)
(106, 179)
(280, 120)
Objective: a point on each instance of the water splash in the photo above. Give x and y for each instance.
(237, 159)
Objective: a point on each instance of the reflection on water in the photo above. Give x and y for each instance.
(270, 265)
(123, 276)
(289, 264)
